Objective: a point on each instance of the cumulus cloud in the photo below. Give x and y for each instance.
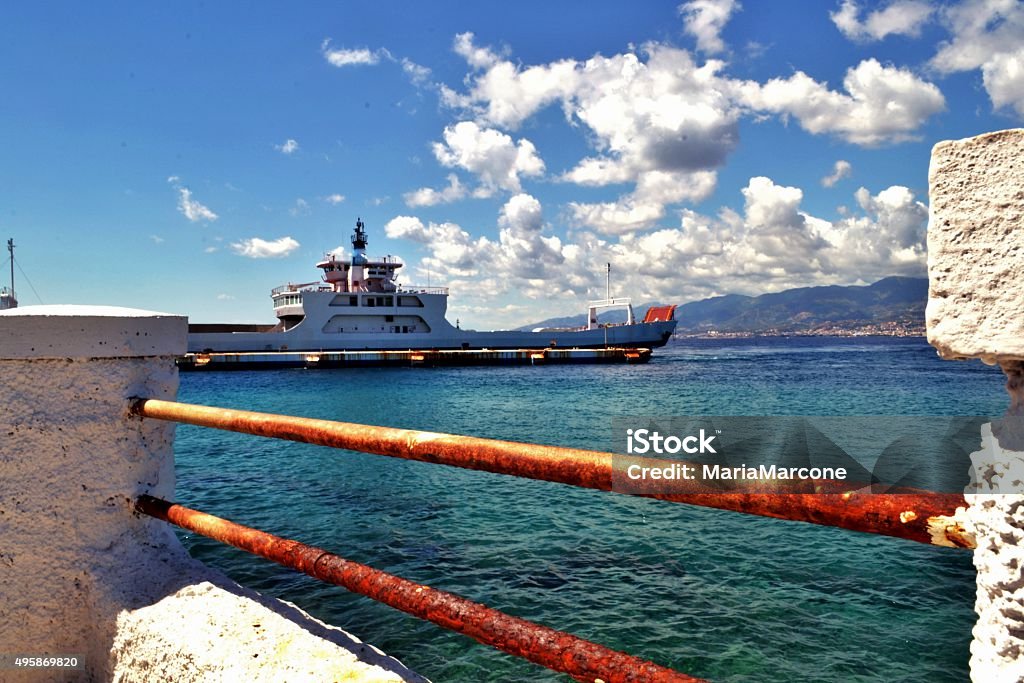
(657, 119)
(454, 251)
(254, 247)
(1003, 76)
(645, 206)
(287, 147)
(987, 35)
(663, 124)
(882, 104)
(665, 114)
(334, 198)
(493, 156)
(523, 252)
(190, 208)
(901, 17)
(840, 170)
(428, 196)
(301, 208)
(705, 19)
(341, 57)
(772, 244)
(476, 57)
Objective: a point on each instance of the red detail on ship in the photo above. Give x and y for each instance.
(659, 314)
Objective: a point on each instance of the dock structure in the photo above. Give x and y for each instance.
(270, 360)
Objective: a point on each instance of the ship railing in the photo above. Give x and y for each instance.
(302, 287)
(421, 289)
(923, 516)
(614, 301)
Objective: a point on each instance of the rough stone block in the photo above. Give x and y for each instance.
(976, 247)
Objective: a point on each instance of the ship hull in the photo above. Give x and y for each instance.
(639, 335)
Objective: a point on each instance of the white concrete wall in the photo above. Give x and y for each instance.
(976, 310)
(80, 573)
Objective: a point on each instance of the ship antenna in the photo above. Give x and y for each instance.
(608, 282)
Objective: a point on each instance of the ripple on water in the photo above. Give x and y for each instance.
(715, 594)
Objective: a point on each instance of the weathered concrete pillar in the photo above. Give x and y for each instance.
(976, 310)
(80, 574)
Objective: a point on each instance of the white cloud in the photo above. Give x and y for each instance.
(454, 251)
(645, 206)
(428, 196)
(840, 170)
(301, 208)
(349, 57)
(254, 247)
(476, 57)
(157, 239)
(490, 154)
(225, 297)
(705, 19)
(900, 17)
(523, 252)
(209, 250)
(658, 120)
(334, 198)
(881, 103)
(773, 244)
(987, 35)
(287, 147)
(192, 209)
(504, 94)
(1003, 76)
(417, 73)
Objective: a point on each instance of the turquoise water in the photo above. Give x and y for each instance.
(714, 594)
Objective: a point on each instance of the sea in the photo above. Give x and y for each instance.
(717, 595)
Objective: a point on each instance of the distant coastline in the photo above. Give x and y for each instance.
(893, 329)
(891, 307)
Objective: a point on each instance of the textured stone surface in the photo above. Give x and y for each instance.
(976, 247)
(996, 516)
(80, 573)
(69, 331)
(263, 640)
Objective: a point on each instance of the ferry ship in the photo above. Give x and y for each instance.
(358, 305)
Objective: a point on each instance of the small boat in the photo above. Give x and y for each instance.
(359, 305)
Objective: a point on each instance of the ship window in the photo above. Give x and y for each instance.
(390, 301)
(370, 301)
(389, 318)
(405, 328)
(353, 301)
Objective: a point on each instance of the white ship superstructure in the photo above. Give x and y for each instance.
(358, 304)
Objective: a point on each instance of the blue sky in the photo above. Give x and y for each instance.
(189, 157)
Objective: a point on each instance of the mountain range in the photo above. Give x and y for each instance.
(891, 301)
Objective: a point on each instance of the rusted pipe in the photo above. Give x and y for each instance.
(922, 516)
(557, 650)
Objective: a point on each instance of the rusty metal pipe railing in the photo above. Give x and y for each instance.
(557, 650)
(922, 516)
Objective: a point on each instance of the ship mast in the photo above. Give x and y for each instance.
(7, 298)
